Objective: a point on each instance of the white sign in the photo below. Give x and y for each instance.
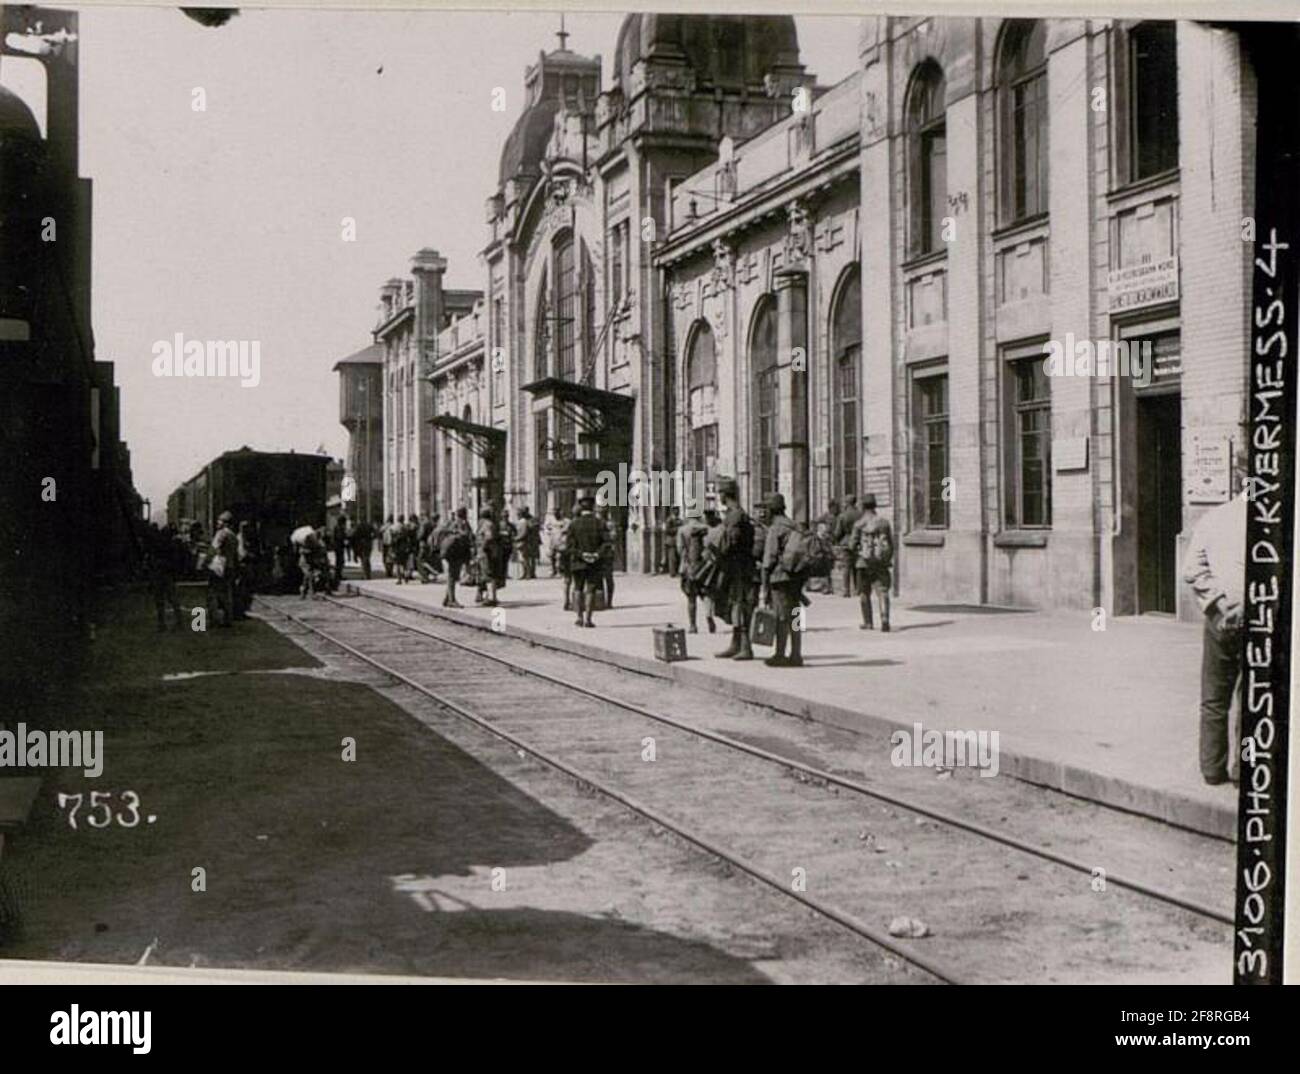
(1147, 284)
(1209, 470)
(1070, 453)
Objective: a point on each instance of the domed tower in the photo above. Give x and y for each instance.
(681, 83)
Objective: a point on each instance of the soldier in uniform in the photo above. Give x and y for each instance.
(455, 542)
(783, 589)
(845, 543)
(167, 557)
(873, 544)
(386, 545)
(530, 542)
(488, 542)
(363, 536)
(672, 524)
(222, 566)
(339, 538)
(585, 548)
(736, 571)
(762, 519)
(560, 555)
(690, 554)
(607, 561)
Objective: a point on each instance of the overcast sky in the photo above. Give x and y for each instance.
(226, 223)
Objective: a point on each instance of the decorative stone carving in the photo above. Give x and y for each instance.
(799, 239)
(723, 275)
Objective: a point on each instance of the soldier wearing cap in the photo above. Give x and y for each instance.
(872, 542)
(736, 571)
(222, 566)
(783, 590)
(585, 546)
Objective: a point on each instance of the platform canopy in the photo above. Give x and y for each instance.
(596, 412)
(482, 440)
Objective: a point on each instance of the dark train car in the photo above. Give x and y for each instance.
(276, 491)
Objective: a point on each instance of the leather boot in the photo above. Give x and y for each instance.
(745, 653)
(732, 649)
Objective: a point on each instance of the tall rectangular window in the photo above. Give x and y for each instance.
(929, 450)
(566, 310)
(1029, 444)
(1153, 102)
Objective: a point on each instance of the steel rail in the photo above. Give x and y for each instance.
(1119, 880)
(840, 917)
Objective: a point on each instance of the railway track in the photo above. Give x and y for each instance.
(717, 792)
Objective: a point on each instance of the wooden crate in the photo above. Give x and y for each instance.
(670, 643)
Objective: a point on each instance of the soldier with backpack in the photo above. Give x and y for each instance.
(790, 558)
(873, 543)
(733, 595)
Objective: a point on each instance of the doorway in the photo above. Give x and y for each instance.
(1159, 500)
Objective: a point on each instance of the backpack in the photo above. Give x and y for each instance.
(807, 555)
(875, 547)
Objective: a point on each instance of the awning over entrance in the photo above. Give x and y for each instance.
(601, 415)
(482, 440)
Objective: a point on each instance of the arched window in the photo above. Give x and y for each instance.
(762, 362)
(588, 311)
(566, 309)
(701, 399)
(846, 350)
(542, 332)
(1022, 120)
(928, 163)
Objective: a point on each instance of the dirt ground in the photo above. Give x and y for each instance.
(436, 851)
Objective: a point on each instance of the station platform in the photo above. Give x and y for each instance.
(1107, 715)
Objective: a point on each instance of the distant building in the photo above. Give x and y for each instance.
(412, 314)
(361, 412)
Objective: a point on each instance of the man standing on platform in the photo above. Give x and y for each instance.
(783, 586)
(872, 541)
(736, 571)
(842, 536)
(530, 542)
(671, 525)
(1215, 568)
(584, 543)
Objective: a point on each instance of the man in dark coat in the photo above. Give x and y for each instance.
(842, 537)
(736, 574)
(781, 587)
(339, 539)
(585, 546)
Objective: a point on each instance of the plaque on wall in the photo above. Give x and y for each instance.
(1070, 453)
(880, 483)
(1208, 474)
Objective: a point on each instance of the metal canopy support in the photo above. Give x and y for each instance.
(481, 440)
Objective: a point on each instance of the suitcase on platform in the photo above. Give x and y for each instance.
(670, 643)
(762, 628)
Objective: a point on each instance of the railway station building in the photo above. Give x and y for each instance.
(713, 263)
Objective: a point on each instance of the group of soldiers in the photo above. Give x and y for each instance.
(737, 563)
(413, 547)
(229, 561)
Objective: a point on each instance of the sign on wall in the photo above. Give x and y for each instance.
(1070, 453)
(1208, 474)
(1149, 284)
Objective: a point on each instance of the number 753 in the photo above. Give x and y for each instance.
(99, 802)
